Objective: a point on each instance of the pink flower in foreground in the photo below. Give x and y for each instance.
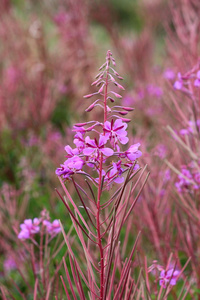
(168, 277)
(133, 153)
(93, 146)
(116, 131)
(29, 228)
(52, 228)
(71, 152)
(70, 167)
(115, 174)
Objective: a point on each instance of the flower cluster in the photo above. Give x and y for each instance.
(96, 142)
(188, 179)
(192, 128)
(183, 81)
(30, 227)
(52, 228)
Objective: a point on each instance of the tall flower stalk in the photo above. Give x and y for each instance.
(99, 157)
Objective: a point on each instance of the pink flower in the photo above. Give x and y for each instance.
(115, 174)
(79, 141)
(179, 83)
(29, 228)
(168, 277)
(116, 131)
(70, 166)
(197, 81)
(52, 228)
(95, 147)
(71, 152)
(133, 153)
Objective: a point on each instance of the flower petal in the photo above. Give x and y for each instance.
(107, 151)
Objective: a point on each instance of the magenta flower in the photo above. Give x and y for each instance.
(79, 141)
(133, 153)
(168, 277)
(192, 128)
(197, 81)
(70, 167)
(188, 180)
(52, 228)
(116, 131)
(185, 180)
(71, 152)
(115, 174)
(29, 228)
(94, 147)
(179, 83)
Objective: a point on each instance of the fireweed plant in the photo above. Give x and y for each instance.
(30, 261)
(101, 160)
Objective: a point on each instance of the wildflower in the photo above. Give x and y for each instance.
(70, 167)
(29, 228)
(52, 228)
(187, 180)
(93, 146)
(184, 180)
(133, 153)
(197, 80)
(168, 277)
(71, 152)
(192, 128)
(79, 141)
(179, 83)
(116, 131)
(115, 174)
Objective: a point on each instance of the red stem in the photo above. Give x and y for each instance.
(99, 196)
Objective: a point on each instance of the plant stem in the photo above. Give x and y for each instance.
(99, 196)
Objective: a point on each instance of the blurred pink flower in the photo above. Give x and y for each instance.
(168, 277)
(169, 74)
(9, 264)
(29, 228)
(197, 81)
(52, 228)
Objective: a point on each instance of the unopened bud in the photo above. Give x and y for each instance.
(80, 124)
(128, 108)
(123, 113)
(90, 107)
(126, 120)
(116, 95)
(89, 95)
(101, 89)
